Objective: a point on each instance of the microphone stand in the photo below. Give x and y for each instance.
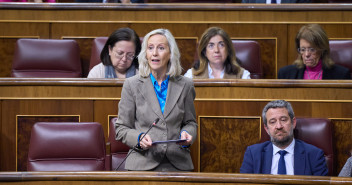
(150, 127)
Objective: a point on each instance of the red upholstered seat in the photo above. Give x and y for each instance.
(117, 148)
(341, 52)
(248, 53)
(317, 132)
(63, 146)
(46, 58)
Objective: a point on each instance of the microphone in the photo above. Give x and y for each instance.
(140, 139)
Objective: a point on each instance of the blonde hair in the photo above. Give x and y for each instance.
(174, 65)
(317, 37)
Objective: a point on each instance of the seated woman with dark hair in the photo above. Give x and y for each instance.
(118, 56)
(313, 62)
(217, 58)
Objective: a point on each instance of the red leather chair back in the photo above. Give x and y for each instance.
(63, 146)
(118, 149)
(46, 58)
(98, 45)
(341, 52)
(317, 132)
(248, 52)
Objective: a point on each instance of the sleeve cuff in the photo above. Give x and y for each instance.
(184, 146)
(138, 139)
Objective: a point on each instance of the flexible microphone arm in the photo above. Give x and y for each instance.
(150, 127)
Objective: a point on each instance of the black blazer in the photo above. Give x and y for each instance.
(282, 1)
(335, 72)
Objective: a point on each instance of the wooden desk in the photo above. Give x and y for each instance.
(162, 178)
(227, 110)
(273, 26)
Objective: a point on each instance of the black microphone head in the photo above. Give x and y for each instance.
(156, 121)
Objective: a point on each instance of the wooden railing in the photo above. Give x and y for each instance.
(273, 26)
(162, 178)
(220, 105)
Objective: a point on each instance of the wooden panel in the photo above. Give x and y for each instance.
(7, 49)
(85, 30)
(177, 29)
(85, 21)
(223, 140)
(103, 110)
(300, 93)
(24, 128)
(8, 37)
(24, 29)
(180, 12)
(187, 49)
(85, 45)
(343, 141)
(12, 108)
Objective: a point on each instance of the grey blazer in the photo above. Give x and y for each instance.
(282, 1)
(139, 107)
(347, 169)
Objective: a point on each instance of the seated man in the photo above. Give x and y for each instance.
(283, 154)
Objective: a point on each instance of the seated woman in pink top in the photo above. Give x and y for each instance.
(313, 62)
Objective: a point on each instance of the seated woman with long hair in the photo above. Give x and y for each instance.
(217, 58)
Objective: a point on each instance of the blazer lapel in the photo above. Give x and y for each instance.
(327, 74)
(146, 89)
(300, 73)
(267, 158)
(299, 159)
(173, 93)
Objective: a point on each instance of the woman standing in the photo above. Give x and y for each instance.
(159, 91)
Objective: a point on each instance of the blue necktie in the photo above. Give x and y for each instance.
(273, 1)
(282, 166)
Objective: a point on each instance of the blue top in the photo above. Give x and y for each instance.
(161, 92)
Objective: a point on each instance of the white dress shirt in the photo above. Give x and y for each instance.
(269, 1)
(246, 74)
(289, 159)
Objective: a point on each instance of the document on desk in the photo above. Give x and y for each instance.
(169, 141)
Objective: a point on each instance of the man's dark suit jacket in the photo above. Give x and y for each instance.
(308, 159)
(282, 1)
(335, 72)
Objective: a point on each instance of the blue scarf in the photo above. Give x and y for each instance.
(110, 71)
